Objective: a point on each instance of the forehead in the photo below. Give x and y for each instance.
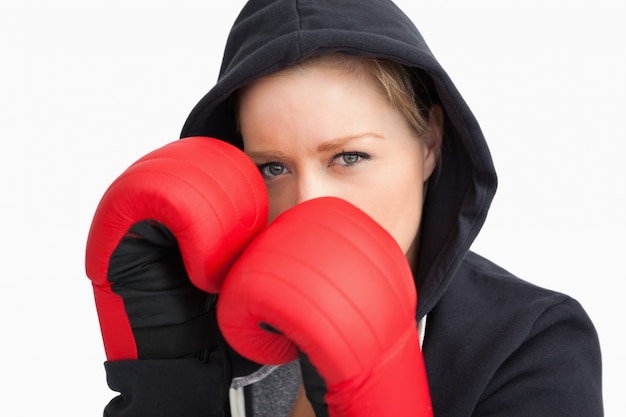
(319, 94)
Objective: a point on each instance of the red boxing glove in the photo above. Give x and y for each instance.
(163, 236)
(328, 281)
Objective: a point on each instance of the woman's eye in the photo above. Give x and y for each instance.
(349, 158)
(272, 169)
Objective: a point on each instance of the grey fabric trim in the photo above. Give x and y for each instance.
(275, 395)
(273, 389)
(263, 372)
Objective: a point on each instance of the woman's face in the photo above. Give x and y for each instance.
(319, 130)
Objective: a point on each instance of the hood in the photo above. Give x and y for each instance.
(269, 35)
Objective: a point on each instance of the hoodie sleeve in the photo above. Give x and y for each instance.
(555, 372)
(173, 387)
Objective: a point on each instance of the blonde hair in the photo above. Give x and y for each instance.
(399, 85)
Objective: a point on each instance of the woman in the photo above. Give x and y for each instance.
(344, 98)
(371, 136)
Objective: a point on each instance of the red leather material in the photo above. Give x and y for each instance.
(335, 285)
(209, 195)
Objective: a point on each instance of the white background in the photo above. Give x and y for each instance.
(87, 87)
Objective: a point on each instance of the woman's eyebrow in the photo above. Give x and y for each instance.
(343, 141)
(326, 146)
(266, 155)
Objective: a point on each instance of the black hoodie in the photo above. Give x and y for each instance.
(494, 344)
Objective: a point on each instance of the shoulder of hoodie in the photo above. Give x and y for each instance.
(486, 301)
(494, 338)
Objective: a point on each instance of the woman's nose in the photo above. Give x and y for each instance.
(310, 187)
(303, 188)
